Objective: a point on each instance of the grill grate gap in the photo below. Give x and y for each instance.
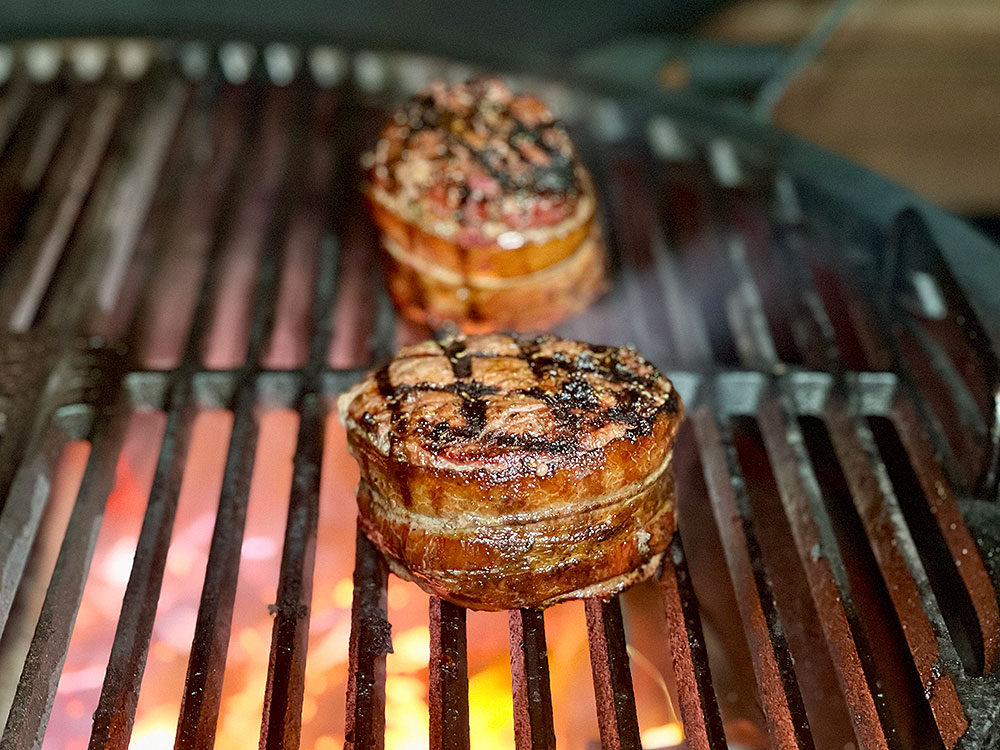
(780, 698)
(691, 227)
(828, 715)
(949, 589)
(67, 477)
(889, 670)
(88, 646)
(728, 655)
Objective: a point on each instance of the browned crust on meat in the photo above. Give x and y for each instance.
(503, 471)
(518, 257)
(432, 296)
(595, 553)
(511, 492)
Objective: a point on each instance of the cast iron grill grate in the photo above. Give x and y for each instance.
(178, 245)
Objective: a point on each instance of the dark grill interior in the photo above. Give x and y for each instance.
(180, 244)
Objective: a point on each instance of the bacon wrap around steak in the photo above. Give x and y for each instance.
(500, 471)
(487, 215)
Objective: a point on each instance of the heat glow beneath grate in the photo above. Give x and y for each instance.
(491, 712)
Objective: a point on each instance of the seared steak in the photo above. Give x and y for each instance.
(500, 471)
(478, 193)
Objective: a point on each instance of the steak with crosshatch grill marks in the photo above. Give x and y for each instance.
(501, 471)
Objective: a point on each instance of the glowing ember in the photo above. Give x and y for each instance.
(490, 710)
(177, 609)
(154, 730)
(83, 673)
(666, 735)
(249, 645)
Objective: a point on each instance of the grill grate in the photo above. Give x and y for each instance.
(842, 391)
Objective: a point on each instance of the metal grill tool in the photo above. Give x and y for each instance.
(837, 473)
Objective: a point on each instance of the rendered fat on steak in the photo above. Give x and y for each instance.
(486, 214)
(500, 471)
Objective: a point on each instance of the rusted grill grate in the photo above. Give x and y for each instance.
(181, 246)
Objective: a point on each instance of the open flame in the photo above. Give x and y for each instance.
(490, 700)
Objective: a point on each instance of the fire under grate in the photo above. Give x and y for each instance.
(176, 244)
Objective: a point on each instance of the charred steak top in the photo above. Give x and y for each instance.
(519, 405)
(472, 160)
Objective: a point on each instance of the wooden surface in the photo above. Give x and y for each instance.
(909, 88)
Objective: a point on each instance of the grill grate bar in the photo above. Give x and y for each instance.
(115, 712)
(36, 689)
(281, 721)
(282, 716)
(448, 692)
(745, 311)
(820, 557)
(949, 520)
(25, 286)
(199, 707)
(35, 445)
(779, 692)
(206, 664)
(529, 670)
(899, 563)
(35, 130)
(699, 708)
(163, 173)
(370, 642)
(616, 716)
(116, 217)
(768, 275)
(12, 107)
